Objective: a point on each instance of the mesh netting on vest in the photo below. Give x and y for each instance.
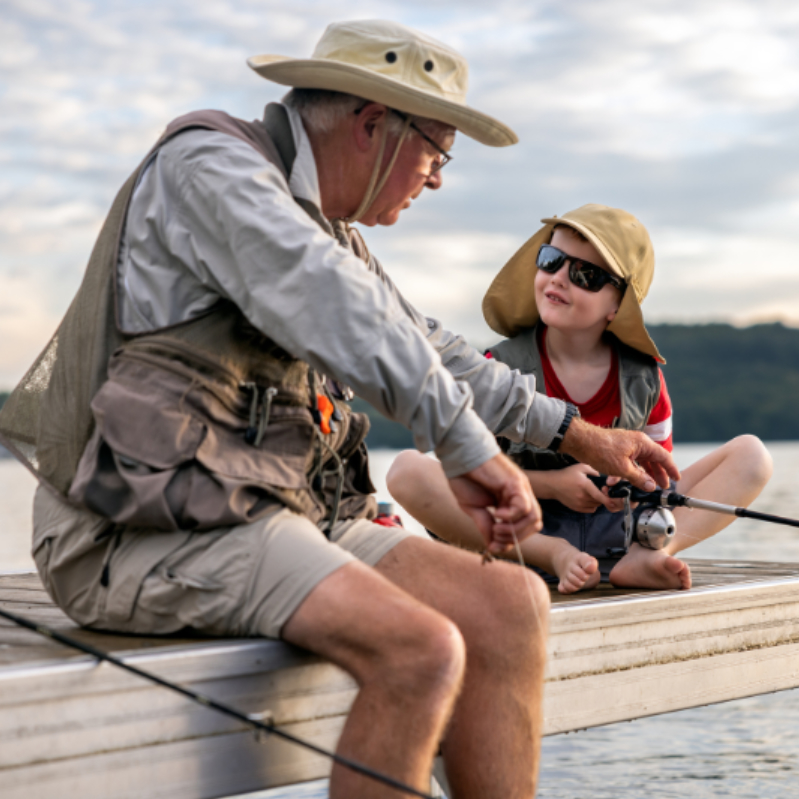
(47, 420)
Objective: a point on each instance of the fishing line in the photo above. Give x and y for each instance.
(257, 724)
(525, 575)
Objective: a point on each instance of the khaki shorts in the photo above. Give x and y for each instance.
(246, 580)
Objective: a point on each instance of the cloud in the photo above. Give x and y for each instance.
(684, 113)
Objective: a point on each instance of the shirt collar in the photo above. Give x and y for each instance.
(304, 180)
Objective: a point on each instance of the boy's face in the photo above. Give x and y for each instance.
(564, 306)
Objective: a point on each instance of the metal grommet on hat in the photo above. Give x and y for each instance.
(390, 64)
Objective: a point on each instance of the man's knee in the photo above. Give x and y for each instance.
(425, 655)
(513, 614)
(378, 633)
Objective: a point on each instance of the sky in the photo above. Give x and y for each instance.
(684, 113)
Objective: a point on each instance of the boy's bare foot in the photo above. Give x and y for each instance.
(578, 571)
(650, 568)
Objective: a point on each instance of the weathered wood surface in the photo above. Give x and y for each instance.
(619, 655)
(72, 728)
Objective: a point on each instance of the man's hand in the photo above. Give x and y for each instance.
(499, 499)
(628, 454)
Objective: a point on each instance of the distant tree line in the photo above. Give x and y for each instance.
(723, 381)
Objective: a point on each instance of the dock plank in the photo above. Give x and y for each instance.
(705, 574)
(613, 654)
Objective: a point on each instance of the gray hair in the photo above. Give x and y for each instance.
(322, 110)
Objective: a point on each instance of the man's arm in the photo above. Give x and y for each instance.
(507, 402)
(231, 229)
(628, 454)
(498, 497)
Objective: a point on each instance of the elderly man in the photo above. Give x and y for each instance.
(200, 464)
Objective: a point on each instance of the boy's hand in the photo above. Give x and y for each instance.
(500, 500)
(628, 454)
(572, 488)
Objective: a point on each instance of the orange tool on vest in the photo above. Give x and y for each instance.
(326, 410)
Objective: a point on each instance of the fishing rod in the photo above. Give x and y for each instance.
(258, 723)
(652, 524)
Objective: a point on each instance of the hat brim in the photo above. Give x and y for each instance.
(589, 234)
(509, 305)
(628, 326)
(324, 73)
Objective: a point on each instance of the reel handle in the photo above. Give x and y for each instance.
(624, 489)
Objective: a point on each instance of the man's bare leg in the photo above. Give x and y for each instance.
(408, 661)
(492, 745)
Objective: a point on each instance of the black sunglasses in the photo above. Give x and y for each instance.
(583, 274)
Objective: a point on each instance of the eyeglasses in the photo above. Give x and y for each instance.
(583, 274)
(443, 157)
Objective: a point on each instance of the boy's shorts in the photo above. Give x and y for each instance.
(594, 533)
(246, 580)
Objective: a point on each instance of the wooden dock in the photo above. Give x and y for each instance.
(72, 728)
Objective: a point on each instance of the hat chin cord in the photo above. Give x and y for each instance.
(375, 187)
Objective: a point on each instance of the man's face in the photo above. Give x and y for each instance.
(409, 176)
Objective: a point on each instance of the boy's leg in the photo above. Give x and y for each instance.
(576, 570)
(650, 568)
(419, 485)
(734, 474)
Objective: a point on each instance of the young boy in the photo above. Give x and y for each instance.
(569, 300)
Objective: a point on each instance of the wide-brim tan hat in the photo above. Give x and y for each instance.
(393, 65)
(509, 305)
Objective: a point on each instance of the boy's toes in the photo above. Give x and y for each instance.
(582, 575)
(588, 564)
(568, 585)
(681, 569)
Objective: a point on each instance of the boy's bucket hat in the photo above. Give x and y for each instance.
(390, 64)
(509, 304)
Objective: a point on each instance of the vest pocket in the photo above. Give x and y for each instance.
(167, 454)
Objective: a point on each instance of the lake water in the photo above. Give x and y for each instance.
(747, 749)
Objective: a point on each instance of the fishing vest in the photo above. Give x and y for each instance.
(202, 424)
(639, 386)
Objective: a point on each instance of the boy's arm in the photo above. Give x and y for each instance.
(572, 488)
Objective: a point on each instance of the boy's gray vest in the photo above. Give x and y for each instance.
(639, 385)
(199, 425)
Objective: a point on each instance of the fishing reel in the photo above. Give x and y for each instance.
(651, 526)
(650, 523)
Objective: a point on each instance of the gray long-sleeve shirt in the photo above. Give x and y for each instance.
(211, 218)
